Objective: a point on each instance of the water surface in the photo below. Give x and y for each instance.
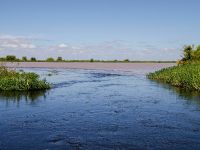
(97, 109)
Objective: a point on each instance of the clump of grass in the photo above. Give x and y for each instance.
(185, 76)
(11, 80)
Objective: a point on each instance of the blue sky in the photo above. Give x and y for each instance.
(99, 29)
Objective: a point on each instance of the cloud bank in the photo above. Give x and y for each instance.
(11, 42)
(107, 50)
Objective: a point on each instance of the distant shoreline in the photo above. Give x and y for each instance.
(95, 61)
(90, 65)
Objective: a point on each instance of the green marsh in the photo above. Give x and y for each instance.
(12, 80)
(185, 76)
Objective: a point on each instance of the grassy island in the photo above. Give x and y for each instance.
(186, 74)
(12, 80)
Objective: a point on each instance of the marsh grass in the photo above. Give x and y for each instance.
(184, 76)
(12, 80)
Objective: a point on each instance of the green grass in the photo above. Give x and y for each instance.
(11, 80)
(184, 76)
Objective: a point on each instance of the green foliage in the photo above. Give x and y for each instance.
(59, 59)
(190, 54)
(11, 58)
(185, 76)
(10, 80)
(24, 58)
(91, 60)
(126, 60)
(50, 59)
(198, 48)
(2, 59)
(187, 52)
(196, 53)
(33, 59)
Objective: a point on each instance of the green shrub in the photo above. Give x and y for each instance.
(50, 59)
(59, 59)
(91, 60)
(24, 58)
(10, 58)
(33, 59)
(10, 80)
(126, 60)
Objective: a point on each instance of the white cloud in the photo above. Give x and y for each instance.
(12, 42)
(8, 45)
(107, 50)
(62, 45)
(31, 46)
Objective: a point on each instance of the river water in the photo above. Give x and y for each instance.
(97, 109)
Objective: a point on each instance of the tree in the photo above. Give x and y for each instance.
(59, 59)
(196, 53)
(91, 60)
(126, 60)
(198, 48)
(187, 52)
(10, 58)
(50, 59)
(24, 58)
(33, 59)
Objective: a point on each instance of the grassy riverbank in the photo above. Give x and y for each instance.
(11, 80)
(185, 76)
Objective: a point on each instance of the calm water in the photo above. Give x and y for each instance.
(88, 109)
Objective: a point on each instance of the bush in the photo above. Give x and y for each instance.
(50, 59)
(59, 59)
(10, 58)
(191, 54)
(33, 59)
(24, 58)
(126, 60)
(10, 80)
(91, 60)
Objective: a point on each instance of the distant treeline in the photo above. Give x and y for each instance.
(12, 58)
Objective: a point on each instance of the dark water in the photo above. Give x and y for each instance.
(88, 109)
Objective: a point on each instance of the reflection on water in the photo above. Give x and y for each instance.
(19, 95)
(190, 96)
(88, 109)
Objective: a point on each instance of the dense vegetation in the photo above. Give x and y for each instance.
(11, 80)
(191, 55)
(186, 74)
